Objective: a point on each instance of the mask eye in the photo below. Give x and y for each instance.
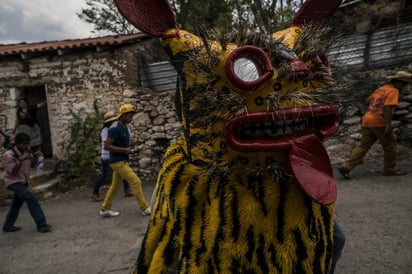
(246, 70)
(248, 67)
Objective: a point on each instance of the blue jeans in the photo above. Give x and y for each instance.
(21, 195)
(106, 170)
(338, 244)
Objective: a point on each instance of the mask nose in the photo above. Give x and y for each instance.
(248, 67)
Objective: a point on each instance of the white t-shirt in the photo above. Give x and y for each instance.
(103, 135)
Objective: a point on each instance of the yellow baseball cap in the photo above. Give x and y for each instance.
(126, 108)
(109, 116)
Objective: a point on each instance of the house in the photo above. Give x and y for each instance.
(73, 74)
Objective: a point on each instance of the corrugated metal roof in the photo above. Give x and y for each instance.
(159, 76)
(39, 47)
(389, 46)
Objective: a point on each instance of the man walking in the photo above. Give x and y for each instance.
(118, 143)
(376, 125)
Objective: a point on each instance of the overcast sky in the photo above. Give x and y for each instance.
(42, 20)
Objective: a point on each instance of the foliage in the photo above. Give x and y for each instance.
(262, 15)
(205, 14)
(193, 15)
(81, 144)
(104, 16)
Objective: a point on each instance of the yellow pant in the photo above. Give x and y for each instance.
(369, 136)
(122, 170)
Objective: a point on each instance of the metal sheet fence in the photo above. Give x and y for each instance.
(389, 47)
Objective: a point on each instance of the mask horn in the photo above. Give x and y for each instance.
(315, 10)
(152, 17)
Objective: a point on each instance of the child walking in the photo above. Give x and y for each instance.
(17, 164)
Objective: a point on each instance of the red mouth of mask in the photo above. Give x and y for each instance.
(298, 131)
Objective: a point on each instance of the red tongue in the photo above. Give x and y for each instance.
(311, 165)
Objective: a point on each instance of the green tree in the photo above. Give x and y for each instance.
(81, 145)
(263, 15)
(192, 15)
(104, 16)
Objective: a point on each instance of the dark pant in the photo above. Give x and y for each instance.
(106, 170)
(369, 137)
(338, 243)
(21, 195)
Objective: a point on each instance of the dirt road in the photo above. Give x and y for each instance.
(376, 214)
(374, 211)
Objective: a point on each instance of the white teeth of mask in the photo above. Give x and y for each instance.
(273, 129)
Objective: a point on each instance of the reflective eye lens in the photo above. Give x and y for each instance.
(246, 70)
(248, 67)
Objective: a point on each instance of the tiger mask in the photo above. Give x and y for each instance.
(249, 187)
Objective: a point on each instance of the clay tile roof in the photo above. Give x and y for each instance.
(39, 47)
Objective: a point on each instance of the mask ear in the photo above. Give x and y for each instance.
(152, 17)
(315, 10)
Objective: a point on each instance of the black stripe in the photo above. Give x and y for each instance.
(283, 189)
(220, 231)
(189, 219)
(319, 249)
(250, 244)
(234, 206)
(261, 194)
(301, 253)
(262, 263)
(310, 218)
(329, 248)
(235, 266)
(170, 250)
(174, 185)
(202, 248)
(273, 259)
(210, 267)
(207, 190)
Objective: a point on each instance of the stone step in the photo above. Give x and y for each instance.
(46, 189)
(42, 190)
(43, 183)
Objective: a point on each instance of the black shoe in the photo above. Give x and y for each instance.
(11, 228)
(44, 228)
(343, 172)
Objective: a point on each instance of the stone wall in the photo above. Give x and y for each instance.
(73, 81)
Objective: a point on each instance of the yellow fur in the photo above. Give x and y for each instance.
(219, 210)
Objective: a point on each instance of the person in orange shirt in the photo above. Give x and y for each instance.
(376, 125)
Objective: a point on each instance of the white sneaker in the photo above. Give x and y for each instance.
(109, 213)
(147, 211)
